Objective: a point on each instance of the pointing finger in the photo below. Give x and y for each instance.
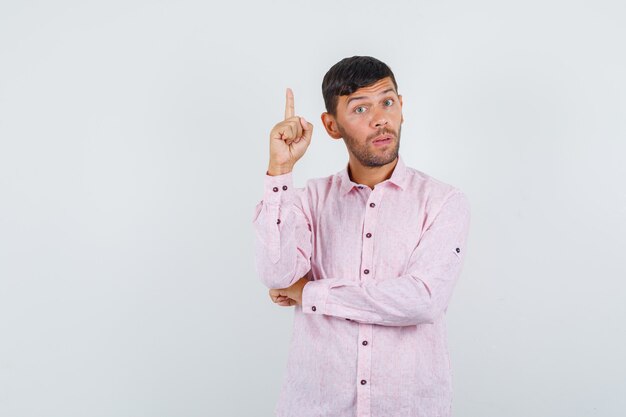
(289, 106)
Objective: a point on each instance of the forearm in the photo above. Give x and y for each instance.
(282, 234)
(401, 301)
(418, 296)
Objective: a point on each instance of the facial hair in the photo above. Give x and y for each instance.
(365, 154)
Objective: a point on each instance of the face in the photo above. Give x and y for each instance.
(364, 118)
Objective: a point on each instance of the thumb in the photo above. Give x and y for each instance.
(307, 128)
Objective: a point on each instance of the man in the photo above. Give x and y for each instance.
(368, 256)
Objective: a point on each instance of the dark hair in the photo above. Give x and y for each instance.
(350, 74)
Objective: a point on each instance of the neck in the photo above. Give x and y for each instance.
(370, 176)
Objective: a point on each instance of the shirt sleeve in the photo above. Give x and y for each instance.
(282, 233)
(419, 296)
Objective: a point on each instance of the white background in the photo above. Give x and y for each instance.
(133, 144)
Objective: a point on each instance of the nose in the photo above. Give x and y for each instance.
(379, 119)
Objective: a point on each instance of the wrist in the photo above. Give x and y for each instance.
(274, 170)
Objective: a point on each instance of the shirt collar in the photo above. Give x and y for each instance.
(398, 177)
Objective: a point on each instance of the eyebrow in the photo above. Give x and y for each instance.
(362, 97)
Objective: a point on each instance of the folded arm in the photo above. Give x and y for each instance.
(419, 296)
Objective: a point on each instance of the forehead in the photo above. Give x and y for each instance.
(371, 90)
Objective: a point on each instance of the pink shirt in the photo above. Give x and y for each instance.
(369, 339)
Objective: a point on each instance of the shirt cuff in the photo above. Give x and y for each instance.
(314, 295)
(278, 188)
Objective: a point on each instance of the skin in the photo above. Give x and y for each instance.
(360, 121)
(360, 118)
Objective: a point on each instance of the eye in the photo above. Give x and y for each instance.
(388, 102)
(359, 109)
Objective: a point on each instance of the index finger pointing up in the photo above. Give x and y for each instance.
(289, 106)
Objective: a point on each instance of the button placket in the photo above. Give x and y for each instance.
(369, 227)
(364, 358)
(364, 371)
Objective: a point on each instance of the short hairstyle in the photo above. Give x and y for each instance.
(350, 74)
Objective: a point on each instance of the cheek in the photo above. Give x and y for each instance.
(357, 133)
(356, 124)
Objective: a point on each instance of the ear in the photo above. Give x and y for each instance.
(328, 120)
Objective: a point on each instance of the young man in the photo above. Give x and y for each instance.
(368, 256)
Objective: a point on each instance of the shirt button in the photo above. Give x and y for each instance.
(372, 205)
(364, 343)
(313, 308)
(368, 235)
(458, 250)
(367, 271)
(275, 189)
(360, 187)
(278, 221)
(363, 382)
(284, 187)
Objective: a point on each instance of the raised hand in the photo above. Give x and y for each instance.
(289, 139)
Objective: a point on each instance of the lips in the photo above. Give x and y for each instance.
(382, 137)
(382, 140)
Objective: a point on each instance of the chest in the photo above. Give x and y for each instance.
(369, 230)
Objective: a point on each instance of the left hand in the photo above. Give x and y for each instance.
(289, 296)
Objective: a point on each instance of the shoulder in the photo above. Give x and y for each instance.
(435, 192)
(317, 190)
(320, 188)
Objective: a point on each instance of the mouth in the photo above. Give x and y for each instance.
(382, 140)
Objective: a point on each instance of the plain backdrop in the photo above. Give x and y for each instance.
(133, 145)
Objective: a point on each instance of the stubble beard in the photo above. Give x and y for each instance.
(364, 154)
